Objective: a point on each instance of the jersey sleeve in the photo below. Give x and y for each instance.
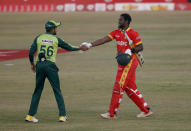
(64, 45)
(136, 39)
(32, 50)
(112, 35)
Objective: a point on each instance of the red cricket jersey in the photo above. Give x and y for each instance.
(122, 41)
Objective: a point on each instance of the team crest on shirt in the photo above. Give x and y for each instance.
(47, 41)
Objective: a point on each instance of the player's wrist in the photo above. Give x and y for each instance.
(133, 50)
(32, 64)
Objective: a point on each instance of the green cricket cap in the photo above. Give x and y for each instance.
(52, 24)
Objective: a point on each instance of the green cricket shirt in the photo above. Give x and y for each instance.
(48, 44)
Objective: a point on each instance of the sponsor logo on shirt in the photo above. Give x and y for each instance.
(122, 43)
(117, 36)
(47, 41)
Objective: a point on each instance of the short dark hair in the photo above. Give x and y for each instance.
(127, 17)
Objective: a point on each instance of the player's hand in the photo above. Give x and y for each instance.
(88, 45)
(33, 68)
(83, 48)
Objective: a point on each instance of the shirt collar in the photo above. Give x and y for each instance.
(126, 29)
(49, 33)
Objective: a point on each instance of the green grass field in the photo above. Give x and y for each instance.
(87, 78)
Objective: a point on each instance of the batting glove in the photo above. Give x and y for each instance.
(128, 51)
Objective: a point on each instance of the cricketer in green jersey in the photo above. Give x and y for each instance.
(46, 46)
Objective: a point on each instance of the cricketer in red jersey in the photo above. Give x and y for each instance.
(125, 78)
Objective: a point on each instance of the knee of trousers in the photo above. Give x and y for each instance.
(130, 92)
(117, 88)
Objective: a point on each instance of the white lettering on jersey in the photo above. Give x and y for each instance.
(122, 43)
(47, 41)
(117, 36)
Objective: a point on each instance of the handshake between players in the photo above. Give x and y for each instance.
(129, 47)
(85, 46)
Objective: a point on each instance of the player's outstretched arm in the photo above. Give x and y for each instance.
(97, 42)
(101, 41)
(69, 47)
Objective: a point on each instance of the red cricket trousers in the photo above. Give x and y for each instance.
(125, 81)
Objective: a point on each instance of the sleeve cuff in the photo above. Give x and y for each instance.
(110, 37)
(138, 43)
